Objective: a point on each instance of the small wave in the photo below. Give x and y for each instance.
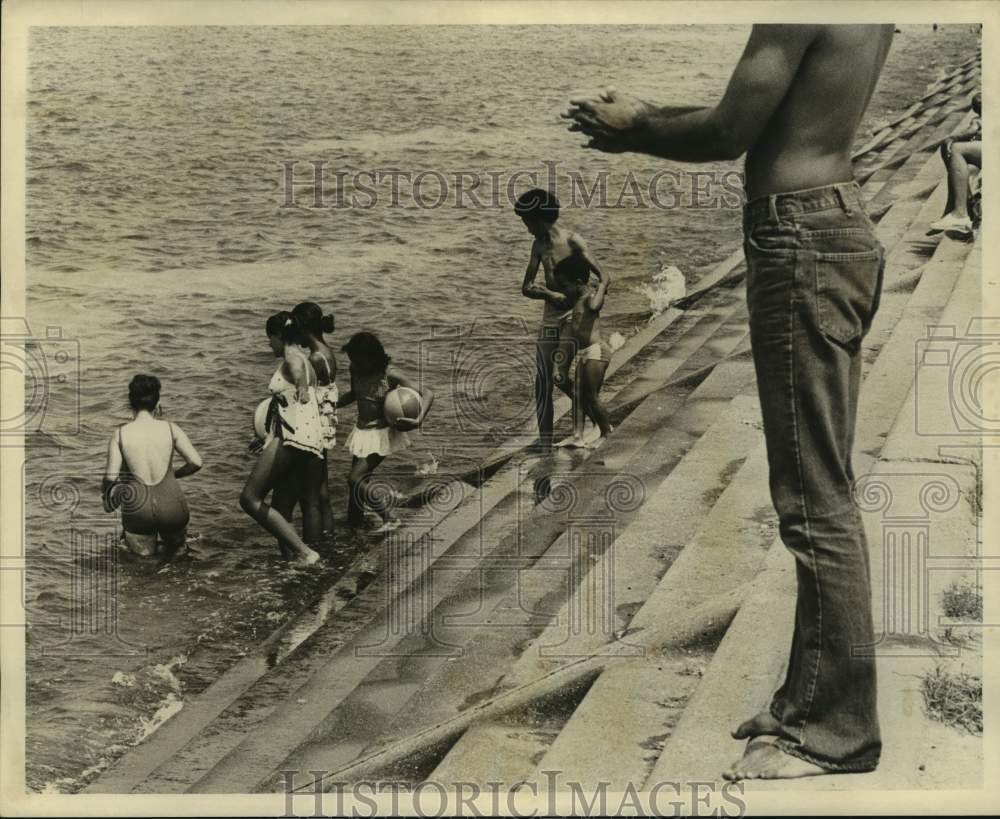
(667, 286)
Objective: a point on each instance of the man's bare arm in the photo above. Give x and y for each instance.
(760, 81)
(531, 272)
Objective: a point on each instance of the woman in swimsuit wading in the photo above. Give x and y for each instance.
(140, 478)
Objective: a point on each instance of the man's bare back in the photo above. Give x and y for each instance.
(807, 142)
(793, 105)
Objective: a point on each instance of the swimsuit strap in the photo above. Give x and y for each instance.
(326, 366)
(309, 366)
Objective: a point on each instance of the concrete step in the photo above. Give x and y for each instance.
(717, 558)
(508, 626)
(340, 674)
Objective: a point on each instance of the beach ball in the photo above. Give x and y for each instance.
(402, 402)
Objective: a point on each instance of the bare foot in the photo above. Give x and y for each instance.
(307, 558)
(388, 525)
(765, 723)
(762, 759)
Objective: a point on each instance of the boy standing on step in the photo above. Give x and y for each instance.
(814, 274)
(563, 256)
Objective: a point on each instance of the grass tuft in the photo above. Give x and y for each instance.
(963, 601)
(954, 699)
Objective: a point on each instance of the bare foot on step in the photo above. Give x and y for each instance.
(762, 759)
(765, 723)
(307, 558)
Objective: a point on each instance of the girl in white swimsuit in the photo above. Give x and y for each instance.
(294, 438)
(372, 439)
(314, 324)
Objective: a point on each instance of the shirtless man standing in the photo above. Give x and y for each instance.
(814, 274)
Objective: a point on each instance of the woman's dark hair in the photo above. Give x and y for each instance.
(977, 103)
(537, 204)
(144, 392)
(285, 326)
(310, 316)
(366, 353)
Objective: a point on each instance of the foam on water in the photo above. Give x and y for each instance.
(667, 286)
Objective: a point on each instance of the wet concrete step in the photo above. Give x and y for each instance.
(468, 504)
(636, 552)
(338, 677)
(507, 624)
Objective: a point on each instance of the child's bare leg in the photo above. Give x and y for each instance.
(358, 484)
(355, 510)
(579, 404)
(591, 380)
(313, 469)
(271, 468)
(284, 499)
(325, 509)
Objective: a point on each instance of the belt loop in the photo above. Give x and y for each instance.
(848, 210)
(772, 207)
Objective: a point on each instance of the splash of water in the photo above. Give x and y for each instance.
(667, 286)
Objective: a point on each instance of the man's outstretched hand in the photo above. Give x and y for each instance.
(611, 121)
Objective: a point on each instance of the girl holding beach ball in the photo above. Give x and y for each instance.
(389, 405)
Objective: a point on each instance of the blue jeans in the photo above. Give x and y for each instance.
(813, 283)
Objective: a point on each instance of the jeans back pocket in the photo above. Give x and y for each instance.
(847, 292)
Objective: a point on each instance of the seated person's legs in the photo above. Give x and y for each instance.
(962, 155)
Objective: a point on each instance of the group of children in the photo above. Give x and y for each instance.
(301, 421)
(301, 429)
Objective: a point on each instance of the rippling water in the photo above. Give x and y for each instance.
(157, 242)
